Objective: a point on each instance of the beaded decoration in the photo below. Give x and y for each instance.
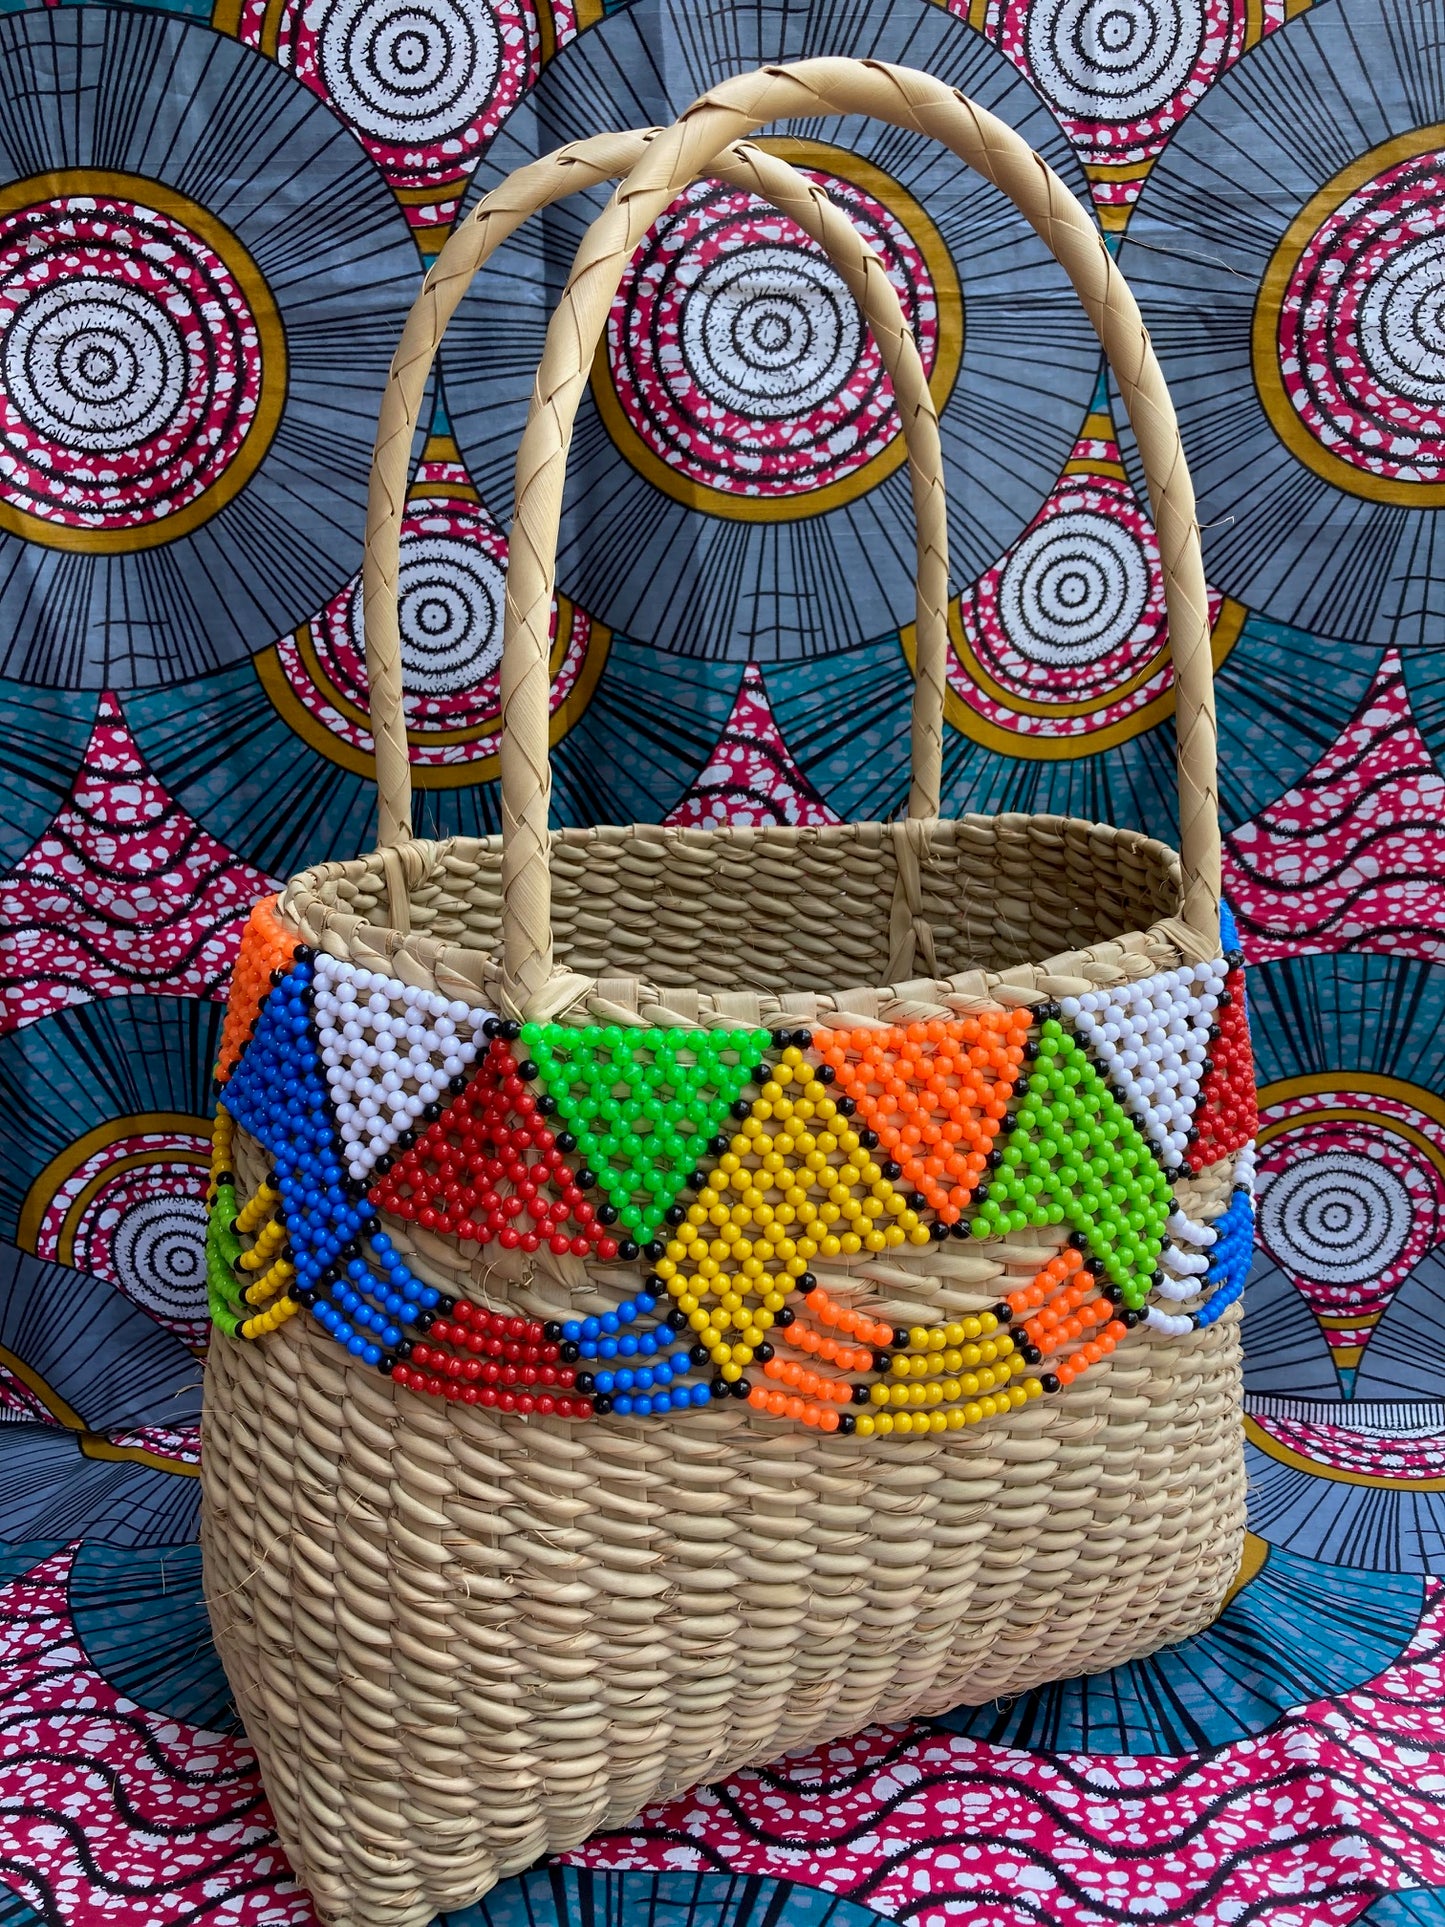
(390, 1050)
(796, 1182)
(1153, 1039)
(1076, 1157)
(1227, 1117)
(490, 1169)
(641, 1106)
(1229, 1242)
(934, 1094)
(347, 1271)
(267, 1260)
(609, 1144)
(266, 946)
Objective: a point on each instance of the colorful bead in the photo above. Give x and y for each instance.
(223, 1248)
(603, 1142)
(390, 1052)
(347, 1271)
(934, 1093)
(797, 1182)
(490, 1170)
(266, 946)
(642, 1105)
(1152, 1039)
(1227, 1117)
(1230, 1257)
(1076, 1157)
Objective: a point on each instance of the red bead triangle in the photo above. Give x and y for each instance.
(488, 1170)
(1227, 1114)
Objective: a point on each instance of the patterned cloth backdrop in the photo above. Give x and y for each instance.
(211, 225)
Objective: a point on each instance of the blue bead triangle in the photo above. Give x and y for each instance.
(278, 1094)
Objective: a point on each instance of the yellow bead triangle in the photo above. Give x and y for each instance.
(796, 1184)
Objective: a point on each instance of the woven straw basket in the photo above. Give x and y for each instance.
(462, 1636)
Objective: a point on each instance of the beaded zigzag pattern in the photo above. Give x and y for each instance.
(1153, 1039)
(389, 1051)
(267, 946)
(730, 1162)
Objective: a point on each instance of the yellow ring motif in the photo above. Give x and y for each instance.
(1057, 749)
(426, 776)
(141, 1124)
(948, 298)
(1269, 305)
(86, 183)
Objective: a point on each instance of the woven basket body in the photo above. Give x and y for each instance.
(461, 1637)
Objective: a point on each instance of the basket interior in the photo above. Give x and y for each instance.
(784, 910)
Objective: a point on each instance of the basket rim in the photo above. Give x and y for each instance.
(474, 976)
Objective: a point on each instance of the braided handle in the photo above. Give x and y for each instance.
(816, 89)
(580, 165)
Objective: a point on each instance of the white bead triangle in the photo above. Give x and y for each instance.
(1151, 1038)
(389, 1050)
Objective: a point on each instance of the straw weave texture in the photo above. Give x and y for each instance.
(461, 1639)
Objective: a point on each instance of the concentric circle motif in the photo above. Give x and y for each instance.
(1351, 1186)
(1297, 303)
(738, 374)
(1122, 74)
(142, 362)
(424, 84)
(1061, 650)
(452, 585)
(1349, 330)
(1338, 1216)
(127, 1202)
(1124, 71)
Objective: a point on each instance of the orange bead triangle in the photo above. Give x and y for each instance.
(935, 1093)
(266, 945)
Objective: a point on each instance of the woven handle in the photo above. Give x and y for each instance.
(580, 165)
(809, 90)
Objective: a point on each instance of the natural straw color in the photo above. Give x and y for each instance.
(460, 1639)
(493, 220)
(819, 89)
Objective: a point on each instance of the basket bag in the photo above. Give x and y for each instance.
(751, 1282)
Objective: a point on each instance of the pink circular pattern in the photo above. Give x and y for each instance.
(424, 84)
(136, 1213)
(1362, 326)
(130, 363)
(1122, 74)
(451, 588)
(737, 354)
(1348, 1209)
(1070, 615)
(1376, 1455)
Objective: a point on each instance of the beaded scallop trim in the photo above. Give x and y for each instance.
(730, 1162)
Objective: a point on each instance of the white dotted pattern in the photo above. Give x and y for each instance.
(1152, 1039)
(389, 1050)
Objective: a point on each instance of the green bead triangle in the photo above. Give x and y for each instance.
(642, 1105)
(1075, 1156)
